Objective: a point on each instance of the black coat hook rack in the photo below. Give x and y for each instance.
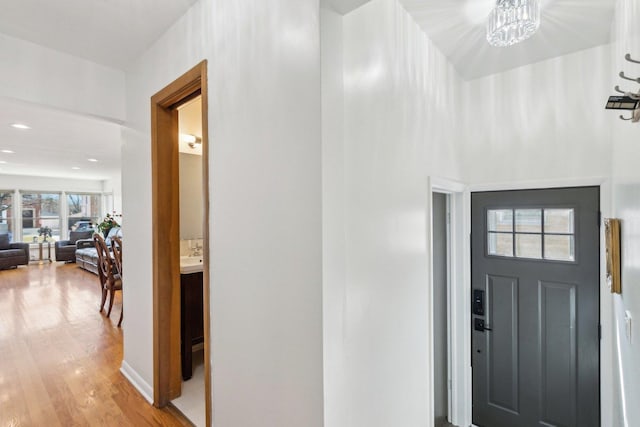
(628, 58)
(629, 100)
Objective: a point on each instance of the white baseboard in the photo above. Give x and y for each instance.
(137, 381)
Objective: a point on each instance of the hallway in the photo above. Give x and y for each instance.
(61, 357)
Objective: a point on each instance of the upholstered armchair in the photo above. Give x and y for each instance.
(12, 254)
(66, 249)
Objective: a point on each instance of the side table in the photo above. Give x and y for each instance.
(41, 252)
(41, 244)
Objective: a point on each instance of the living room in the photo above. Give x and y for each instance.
(60, 171)
(58, 167)
(59, 178)
(52, 211)
(52, 204)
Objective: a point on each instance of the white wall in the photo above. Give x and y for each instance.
(399, 128)
(44, 76)
(334, 261)
(265, 188)
(539, 122)
(626, 206)
(113, 186)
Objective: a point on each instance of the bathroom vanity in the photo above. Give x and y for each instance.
(191, 313)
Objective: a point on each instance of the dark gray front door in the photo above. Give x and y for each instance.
(535, 308)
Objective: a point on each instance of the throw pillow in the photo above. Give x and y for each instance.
(113, 232)
(4, 242)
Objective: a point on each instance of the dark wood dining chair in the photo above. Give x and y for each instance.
(111, 280)
(116, 247)
(101, 277)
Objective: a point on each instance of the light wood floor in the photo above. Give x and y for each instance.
(60, 357)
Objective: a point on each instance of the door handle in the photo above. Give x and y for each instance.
(478, 325)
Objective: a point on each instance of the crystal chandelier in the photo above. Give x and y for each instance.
(512, 21)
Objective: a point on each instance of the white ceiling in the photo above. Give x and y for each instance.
(343, 6)
(115, 32)
(109, 32)
(57, 142)
(457, 27)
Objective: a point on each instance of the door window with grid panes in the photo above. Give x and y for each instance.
(533, 233)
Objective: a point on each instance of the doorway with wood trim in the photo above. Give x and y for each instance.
(167, 376)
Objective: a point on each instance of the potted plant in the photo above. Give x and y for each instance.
(44, 231)
(108, 223)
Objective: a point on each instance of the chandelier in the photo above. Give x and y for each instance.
(512, 21)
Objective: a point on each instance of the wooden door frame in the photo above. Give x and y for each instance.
(167, 378)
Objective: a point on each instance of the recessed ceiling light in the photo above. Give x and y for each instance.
(92, 160)
(20, 126)
(8, 151)
(75, 168)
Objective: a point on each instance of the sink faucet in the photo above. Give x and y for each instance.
(197, 251)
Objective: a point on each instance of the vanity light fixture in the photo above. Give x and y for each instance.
(20, 126)
(512, 21)
(191, 140)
